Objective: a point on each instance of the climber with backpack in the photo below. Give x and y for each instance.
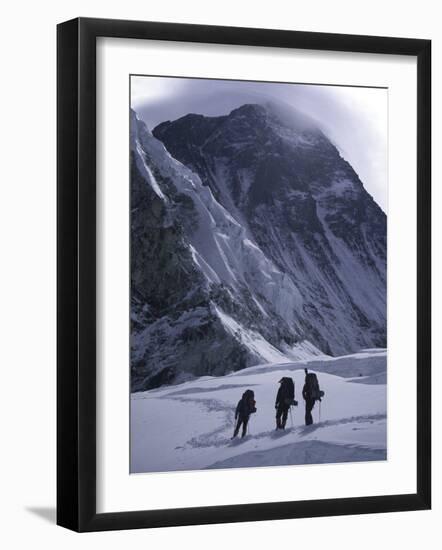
(311, 393)
(246, 406)
(285, 398)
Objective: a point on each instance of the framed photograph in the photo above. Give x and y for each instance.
(243, 274)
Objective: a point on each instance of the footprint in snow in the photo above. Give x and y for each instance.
(238, 440)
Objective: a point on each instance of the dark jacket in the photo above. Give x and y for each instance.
(286, 393)
(246, 406)
(311, 394)
(279, 397)
(306, 393)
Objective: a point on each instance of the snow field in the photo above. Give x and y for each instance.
(189, 426)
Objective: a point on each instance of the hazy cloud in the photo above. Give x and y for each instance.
(355, 119)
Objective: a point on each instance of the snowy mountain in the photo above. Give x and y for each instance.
(252, 241)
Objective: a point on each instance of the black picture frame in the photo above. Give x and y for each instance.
(76, 274)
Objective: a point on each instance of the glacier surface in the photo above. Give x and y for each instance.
(189, 426)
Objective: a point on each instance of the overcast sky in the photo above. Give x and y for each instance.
(355, 119)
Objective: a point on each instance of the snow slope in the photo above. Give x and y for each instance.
(188, 426)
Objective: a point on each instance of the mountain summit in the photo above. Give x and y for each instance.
(253, 241)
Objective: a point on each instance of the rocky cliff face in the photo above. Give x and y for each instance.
(253, 241)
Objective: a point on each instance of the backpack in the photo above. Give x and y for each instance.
(312, 386)
(288, 390)
(249, 399)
